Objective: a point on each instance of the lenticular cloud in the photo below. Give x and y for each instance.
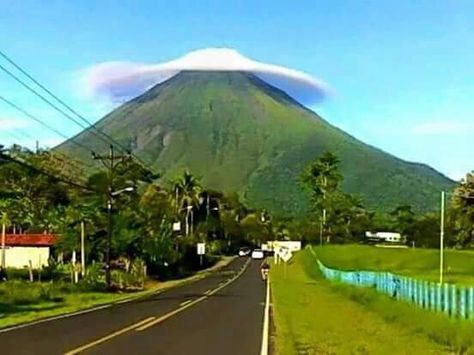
(121, 81)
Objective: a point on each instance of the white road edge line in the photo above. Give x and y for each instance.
(266, 321)
(67, 315)
(124, 301)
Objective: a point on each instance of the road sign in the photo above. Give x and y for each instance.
(176, 226)
(283, 253)
(201, 248)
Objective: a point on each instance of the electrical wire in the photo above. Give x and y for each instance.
(69, 108)
(41, 122)
(6, 157)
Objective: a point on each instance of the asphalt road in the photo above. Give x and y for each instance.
(221, 314)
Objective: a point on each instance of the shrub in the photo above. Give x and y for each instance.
(94, 279)
(25, 293)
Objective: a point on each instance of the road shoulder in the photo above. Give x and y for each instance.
(311, 318)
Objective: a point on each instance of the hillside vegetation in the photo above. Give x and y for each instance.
(242, 135)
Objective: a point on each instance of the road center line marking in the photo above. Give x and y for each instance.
(151, 321)
(185, 302)
(192, 303)
(108, 337)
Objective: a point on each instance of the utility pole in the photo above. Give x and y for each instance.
(110, 161)
(83, 251)
(441, 240)
(321, 223)
(3, 245)
(75, 275)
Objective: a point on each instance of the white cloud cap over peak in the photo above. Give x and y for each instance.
(120, 81)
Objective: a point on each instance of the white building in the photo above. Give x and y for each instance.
(388, 237)
(20, 249)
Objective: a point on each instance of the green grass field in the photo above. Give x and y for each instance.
(314, 316)
(418, 263)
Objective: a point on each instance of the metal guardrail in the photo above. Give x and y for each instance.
(452, 300)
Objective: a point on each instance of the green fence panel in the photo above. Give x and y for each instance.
(451, 300)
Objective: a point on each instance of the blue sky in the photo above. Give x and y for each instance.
(402, 71)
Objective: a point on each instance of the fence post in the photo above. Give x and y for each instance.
(432, 296)
(446, 304)
(471, 303)
(415, 291)
(427, 295)
(462, 303)
(439, 301)
(403, 289)
(423, 294)
(420, 293)
(410, 290)
(454, 301)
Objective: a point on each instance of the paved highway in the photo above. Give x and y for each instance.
(221, 314)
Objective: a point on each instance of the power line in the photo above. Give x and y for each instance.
(64, 104)
(36, 119)
(40, 171)
(71, 162)
(29, 88)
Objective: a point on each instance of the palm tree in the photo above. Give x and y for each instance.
(322, 177)
(186, 197)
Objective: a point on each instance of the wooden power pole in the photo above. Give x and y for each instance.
(110, 161)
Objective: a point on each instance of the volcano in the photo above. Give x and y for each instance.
(240, 134)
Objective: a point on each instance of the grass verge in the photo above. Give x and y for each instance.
(313, 316)
(418, 263)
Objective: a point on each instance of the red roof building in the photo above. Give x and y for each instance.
(30, 240)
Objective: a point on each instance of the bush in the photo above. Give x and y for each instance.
(26, 293)
(52, 272)
(133, 280)
(94, 279)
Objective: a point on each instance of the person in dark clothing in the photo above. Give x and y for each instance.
(264, 268)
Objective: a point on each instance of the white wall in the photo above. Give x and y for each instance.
(19, 256)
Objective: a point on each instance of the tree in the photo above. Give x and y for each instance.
(463, 211)
(186, 198)
(403, 221)
(322, 179)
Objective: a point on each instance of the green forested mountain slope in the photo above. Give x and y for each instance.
(240, 134)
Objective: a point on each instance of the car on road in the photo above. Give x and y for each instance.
(244, 251)
(258, 254)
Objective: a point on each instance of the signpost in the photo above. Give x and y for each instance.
(201, 250)
(284, 253)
